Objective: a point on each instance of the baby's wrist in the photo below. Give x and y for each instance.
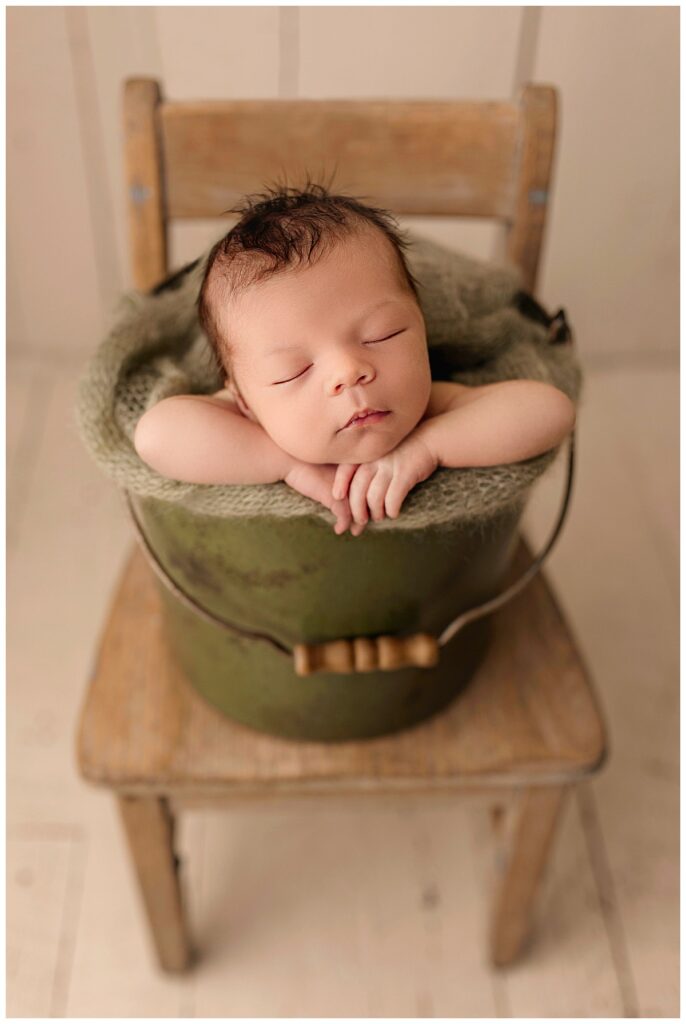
(276, 463)
(288, 465)
(425, 434)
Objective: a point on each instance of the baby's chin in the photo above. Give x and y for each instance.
(366, 449)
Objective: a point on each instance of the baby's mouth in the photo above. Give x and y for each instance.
(368, 417)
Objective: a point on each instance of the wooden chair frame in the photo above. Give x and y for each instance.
(143, 732)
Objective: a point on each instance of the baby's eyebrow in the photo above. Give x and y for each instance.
(363, 316)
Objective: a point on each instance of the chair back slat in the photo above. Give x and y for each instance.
(418, 157)
(412, 157)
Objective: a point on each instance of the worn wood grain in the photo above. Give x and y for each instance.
(144, 182)
(414, 156)
(483, 159)
(149, 828)
(536, 143)
(536, 825)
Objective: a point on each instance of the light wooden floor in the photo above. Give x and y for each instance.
(350, 909)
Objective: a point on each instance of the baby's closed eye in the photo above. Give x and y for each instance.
(374, 341)
(387, 338)
(289, 379)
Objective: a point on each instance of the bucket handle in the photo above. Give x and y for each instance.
(367, 654)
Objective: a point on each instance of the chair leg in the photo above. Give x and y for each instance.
(149, 827)
(534, 833)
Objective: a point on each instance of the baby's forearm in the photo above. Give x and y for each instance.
(197, 440)
(506, 423)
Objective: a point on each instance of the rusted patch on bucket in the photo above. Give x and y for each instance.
(197, 573)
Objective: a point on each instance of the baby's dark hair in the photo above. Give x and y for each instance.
(285, 227)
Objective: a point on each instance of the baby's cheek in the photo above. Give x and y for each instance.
(301, 442)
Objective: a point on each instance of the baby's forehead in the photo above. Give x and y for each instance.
(238, 292)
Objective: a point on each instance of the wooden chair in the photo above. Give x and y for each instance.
(528, 721)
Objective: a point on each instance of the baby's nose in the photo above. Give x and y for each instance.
(351, 373)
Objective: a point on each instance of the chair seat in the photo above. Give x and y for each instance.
(529, 716)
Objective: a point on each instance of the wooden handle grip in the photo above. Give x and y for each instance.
(366, 654)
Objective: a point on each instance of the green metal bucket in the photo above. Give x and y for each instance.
(297, 581)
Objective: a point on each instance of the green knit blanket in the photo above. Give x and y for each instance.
(476, 335)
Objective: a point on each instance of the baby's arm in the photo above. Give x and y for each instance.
(490, 425)
(496, 424)
(201, 439)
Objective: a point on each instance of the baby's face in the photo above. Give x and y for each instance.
(315, 345)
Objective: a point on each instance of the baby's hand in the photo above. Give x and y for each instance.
(316, 481)
(380, 487)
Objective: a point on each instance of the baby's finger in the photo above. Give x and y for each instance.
(341, 510)
(376, 493)
(357, 494)
(395, 495)
(341, 482)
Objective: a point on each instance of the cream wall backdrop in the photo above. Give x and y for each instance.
(611, 255)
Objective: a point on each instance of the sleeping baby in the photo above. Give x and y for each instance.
(314, 319)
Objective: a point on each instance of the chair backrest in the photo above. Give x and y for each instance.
(422, 157)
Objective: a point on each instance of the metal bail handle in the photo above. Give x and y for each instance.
(365, 653)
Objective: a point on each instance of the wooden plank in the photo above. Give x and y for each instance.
(473, 51)
(122, 44)
(20, 381)
(99, 195)
(46, 183)
(17, 340)
(228, 52)
(652, 451)
(71, 528)
(367, 911)
(627, 615)
(619, 151)
(534, 159)
(568, 969)
(114, 972)
(461, 154)
(27, 377)
(144, 184)
(37, 878)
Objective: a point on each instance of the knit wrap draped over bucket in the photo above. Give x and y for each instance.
(476, 333)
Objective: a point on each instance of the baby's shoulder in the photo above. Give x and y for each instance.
(229, 398)
(443, 395)
(448, 394)
(225, 395)
(224, 398)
